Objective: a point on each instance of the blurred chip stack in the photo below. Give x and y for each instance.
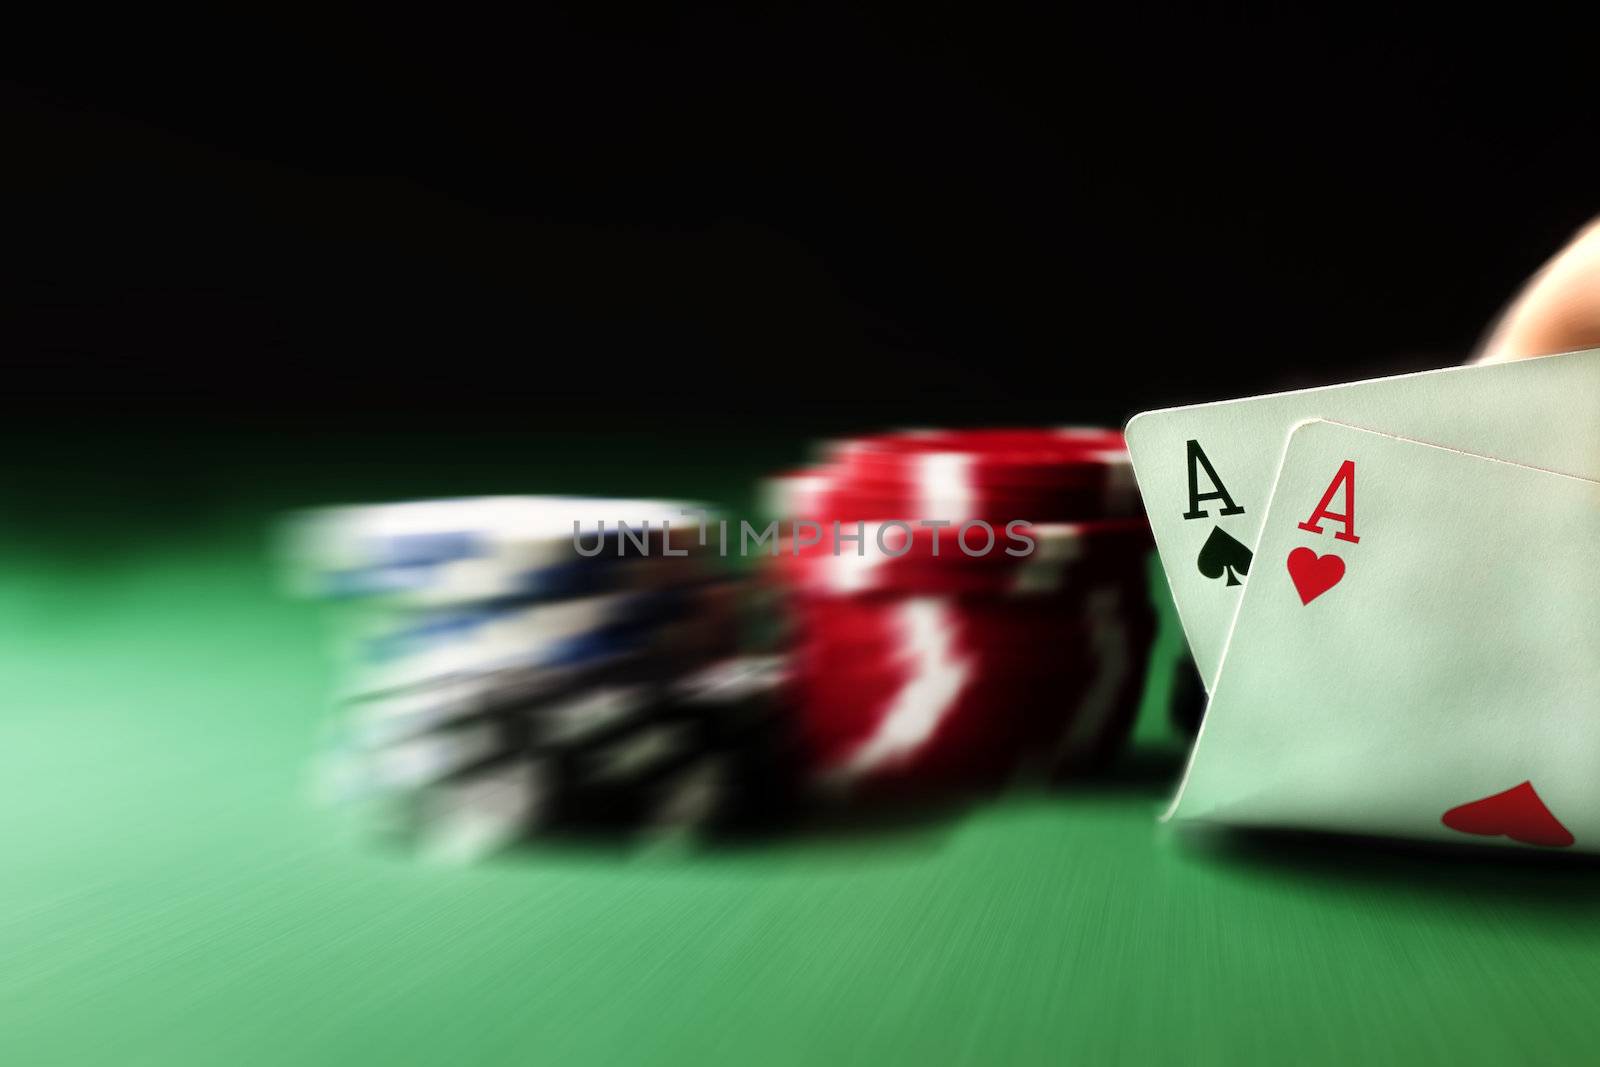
(994, 616)
(515, 666)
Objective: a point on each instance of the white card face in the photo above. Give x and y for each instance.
(1425, 666)
(1540, 412)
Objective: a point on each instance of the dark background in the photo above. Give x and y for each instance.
(796, 219)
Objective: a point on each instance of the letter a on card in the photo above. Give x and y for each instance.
(1346, 478)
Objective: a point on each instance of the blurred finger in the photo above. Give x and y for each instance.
(1558, 310)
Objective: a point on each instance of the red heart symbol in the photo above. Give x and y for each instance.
(1518, 813)
(1313, 574)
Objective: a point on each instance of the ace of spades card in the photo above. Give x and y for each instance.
(1415, 652)
(1205, 470)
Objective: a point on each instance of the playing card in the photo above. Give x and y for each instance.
(1205, 470)
(1415, 652)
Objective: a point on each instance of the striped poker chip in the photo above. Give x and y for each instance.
(712, 755)
(1105, 695)
(492, 548)
(556, 704)
(471, 818)
(961, 692)
(926, 657)
(933, 496)
(1055, 560)
(433, 757)
(424, 648)
(733, 681)
(589, 717)
(1039, 476)
(355, 769)
(990, 456)
(388, 716)
(867, 717)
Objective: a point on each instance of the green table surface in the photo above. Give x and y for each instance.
(169, 895)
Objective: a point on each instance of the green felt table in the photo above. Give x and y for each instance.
(168, 895)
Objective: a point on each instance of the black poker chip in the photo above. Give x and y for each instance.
(706, 755)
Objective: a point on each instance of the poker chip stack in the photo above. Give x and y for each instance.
(1015, 642)
(519, 666)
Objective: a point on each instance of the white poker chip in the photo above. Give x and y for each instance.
(570, 723)
(639, 754)
(483, 548)
(428, 758)
(467, 821)
(417, 649)
(734, 680)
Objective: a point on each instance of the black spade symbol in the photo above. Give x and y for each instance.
(1223, 553)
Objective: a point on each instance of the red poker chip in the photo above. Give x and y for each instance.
(968, 544)
(1004, 452)
(1017, 457)
(935, 701)
(1103, 493)
(920, 667)
(1065, 559)
(804, 579)
(862, 730)
(882, 636)
(902, 724)
(999, 475)
(987, 620)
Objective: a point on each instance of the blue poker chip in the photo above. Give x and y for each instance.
(434, 579)
(422, 648)
(487, 548)
(557, 633)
